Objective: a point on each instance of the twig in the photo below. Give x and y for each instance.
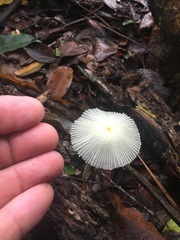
(127, 194)
(95, 80)
(173, 213)
(49, 32)
(106, 25)
(159, 184)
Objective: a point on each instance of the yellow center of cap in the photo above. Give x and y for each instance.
(108, 129)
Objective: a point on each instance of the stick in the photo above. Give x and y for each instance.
(175, 215)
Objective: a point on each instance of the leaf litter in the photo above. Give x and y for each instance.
(100, 63)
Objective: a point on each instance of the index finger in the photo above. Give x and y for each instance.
(19, 113)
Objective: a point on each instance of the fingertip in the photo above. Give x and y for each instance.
(58, 163)
(39, 106)
(33, 106)
(51, 133)
(20, 215)
(19, 113)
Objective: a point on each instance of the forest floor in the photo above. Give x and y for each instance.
(111, 56)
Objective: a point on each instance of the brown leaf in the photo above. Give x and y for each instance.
(100, 31)
(71, 48)
(59, 82)
(103, 50)
(90, 61)
(130, 223)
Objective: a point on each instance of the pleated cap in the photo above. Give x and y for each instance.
(105, 140)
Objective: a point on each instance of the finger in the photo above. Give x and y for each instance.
(19, 113)
(20, 215)
(26, 144)
(19, 177)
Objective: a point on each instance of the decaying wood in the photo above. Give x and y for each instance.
(138, 90)
(163, 124)
(164, 43)
(166, 14)
(175, 215)
(75, 215)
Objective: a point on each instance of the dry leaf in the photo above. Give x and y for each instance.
(31, 68)
(71, 48)
(41, 52)
(103, 50)
(147, 21)
(5, 2)
(130, 223)
(113, 4)
(59, 82)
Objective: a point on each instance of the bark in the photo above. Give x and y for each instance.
(167, 16)
(74, 215)
(165, 44)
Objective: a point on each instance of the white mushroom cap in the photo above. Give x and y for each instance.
(105, 140)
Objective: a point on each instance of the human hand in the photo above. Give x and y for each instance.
(27, 163)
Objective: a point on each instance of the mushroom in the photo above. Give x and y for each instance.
(105, 140)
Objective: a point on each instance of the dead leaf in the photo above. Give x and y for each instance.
(41, 53)
(143, 2)
(30, 69)
(71, 48)
(113, 4)
(5, 2)
(130, 222)
(58, 122)
(103, 50)
(59, 82)
(90, 61)
(97, 27)
(147, 21)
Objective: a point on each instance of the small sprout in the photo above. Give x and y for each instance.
(105, 140)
